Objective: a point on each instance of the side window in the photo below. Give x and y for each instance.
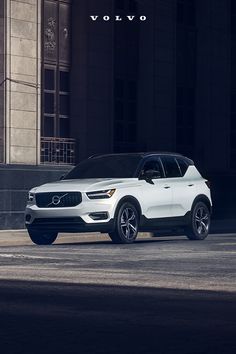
(153, 164)
(182, 165)
(171, 167)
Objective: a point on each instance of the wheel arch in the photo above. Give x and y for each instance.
(128, 199)
(202, 198)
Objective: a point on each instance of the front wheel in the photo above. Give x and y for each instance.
(198, 228)
(126, 224)
(42, 237)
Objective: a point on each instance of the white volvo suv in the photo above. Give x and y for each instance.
(121, 194)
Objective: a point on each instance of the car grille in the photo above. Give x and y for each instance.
(58, 199)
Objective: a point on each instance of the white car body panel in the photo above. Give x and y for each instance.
(156, 199)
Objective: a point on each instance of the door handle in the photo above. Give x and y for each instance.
(190, 185)
(166, 187)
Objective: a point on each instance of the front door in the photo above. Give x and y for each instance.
(156, 197)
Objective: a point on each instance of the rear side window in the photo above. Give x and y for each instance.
(171, 167)
(182, 165)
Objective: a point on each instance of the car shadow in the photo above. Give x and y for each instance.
(138, 241)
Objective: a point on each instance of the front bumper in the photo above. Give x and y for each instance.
(79, 218)
(69, 224)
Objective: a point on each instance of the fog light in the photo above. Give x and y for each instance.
(28, 217)
(102, 215)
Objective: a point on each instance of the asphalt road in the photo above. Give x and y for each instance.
(85, 295)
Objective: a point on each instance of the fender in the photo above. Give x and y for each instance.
(202, 198)
(131, 199)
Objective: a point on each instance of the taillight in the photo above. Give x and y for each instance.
(208, 183)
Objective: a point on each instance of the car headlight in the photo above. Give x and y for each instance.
(31, 197)
(101, 194)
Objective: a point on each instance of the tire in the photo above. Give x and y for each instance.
(42, 237)
(198, 228)
(126, 224)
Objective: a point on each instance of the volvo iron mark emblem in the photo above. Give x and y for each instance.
(56, 199)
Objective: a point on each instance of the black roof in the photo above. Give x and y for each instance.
(146, 154)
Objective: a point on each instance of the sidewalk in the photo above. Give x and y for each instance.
(21, 238)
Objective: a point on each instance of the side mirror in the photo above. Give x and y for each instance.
(149, 175)
(62, 177)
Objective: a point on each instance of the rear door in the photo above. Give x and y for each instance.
(182, 190)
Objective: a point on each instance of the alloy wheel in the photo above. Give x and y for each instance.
(202, 220)
(129, 223)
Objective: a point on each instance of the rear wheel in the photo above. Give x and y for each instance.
(198, 228)
(126, 224)
(42, 237)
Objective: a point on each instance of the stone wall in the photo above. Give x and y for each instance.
(15, 182)
(23, 80)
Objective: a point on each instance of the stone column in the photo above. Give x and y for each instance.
(2, 120)
(22, 75)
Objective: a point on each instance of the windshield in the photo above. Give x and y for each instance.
(112, 166)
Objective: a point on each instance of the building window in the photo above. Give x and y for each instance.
(125, 114)
(233, 130)
(55, 123)
(186, 48)
(180, 12)
(185, 116)
(129, 6)
(233, 20)
(119, 4)
(233, 88)
(186, 13)
(126, 46)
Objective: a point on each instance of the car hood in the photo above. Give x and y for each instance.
(85, 185)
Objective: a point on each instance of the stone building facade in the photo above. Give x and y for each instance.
(71, 87)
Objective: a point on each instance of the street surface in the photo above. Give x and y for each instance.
(85, 295)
